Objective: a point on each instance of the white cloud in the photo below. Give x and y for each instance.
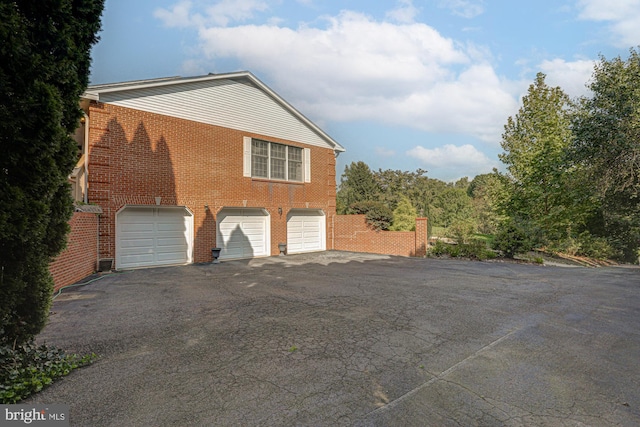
(356, 68)
(624, 16)
(192, 67)
(572, 76)
(464, 8)
(220, 13)
(405, 13)
(384, 152)
(178, 16)
(453, 161)
(226, 11)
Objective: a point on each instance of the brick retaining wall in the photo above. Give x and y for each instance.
(79, 259)
(352, 233)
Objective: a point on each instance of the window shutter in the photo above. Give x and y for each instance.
(307, 165)
(246, 164)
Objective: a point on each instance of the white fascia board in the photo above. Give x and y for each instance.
(143, 84)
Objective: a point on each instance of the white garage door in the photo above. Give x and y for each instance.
(153, 236)
(305, 231)
(243, 233)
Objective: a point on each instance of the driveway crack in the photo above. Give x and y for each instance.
(443, 374)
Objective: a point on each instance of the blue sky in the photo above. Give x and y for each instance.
(401, 84)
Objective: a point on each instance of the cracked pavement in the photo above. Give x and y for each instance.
(339, 338)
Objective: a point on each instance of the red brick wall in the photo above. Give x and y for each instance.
(135, 156)
(422, 237)
(79, 259)
(351, 233)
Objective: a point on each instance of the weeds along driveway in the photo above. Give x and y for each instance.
(339, 338)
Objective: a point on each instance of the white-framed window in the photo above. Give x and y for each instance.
(271, 160)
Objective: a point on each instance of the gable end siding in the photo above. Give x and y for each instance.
(226, 103)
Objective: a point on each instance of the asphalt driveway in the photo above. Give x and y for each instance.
(338, 338)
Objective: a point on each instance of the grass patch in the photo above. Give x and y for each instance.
(439, 231)
(486, 238)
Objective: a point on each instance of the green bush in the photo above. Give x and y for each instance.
(568, 245)
(461, 231)
(438, 231)
(585, 244)
(378, 215)
(28, 368)
(475, 249)
(595, 247)
(514, 237)
(439, 248)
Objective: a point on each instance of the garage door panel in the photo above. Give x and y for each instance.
(136, 227)
(136, 259)
(135, 243)
(136, 251)
(171, 258)
(136, 234)
(174, 243)
(170, 227)
(233, 252)
(255, 238)
(252, 226)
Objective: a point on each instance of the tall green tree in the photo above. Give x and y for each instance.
(486, 191)
(421, 190)
(607, 145)
(404, 216)
(44, 68)
(357, 184)
(535, 142)
(396, 184)
(463, 183)
(450, 206)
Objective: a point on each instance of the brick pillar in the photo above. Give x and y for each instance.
(421, 237)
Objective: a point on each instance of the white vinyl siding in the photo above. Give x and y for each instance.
(228, 103)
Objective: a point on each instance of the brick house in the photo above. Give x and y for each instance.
(182, 165)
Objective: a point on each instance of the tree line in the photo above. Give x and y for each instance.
(394, 198)
(571, 181)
